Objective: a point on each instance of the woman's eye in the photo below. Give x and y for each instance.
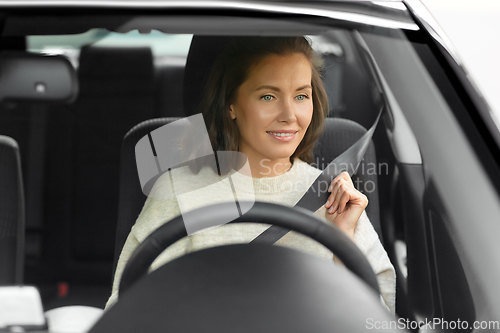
(301, 97)
(267, 97)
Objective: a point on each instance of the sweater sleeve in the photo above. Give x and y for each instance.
(130, 245)
(161, 206)
(366, 238)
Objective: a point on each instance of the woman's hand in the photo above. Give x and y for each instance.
(345, 204)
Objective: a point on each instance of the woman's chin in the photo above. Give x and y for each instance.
(280, 156)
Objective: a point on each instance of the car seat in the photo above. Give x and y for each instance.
(83, 144)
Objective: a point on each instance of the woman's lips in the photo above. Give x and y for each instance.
(282, 136)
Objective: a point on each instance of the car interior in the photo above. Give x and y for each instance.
(70, 189)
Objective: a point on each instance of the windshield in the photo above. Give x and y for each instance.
(164, 114)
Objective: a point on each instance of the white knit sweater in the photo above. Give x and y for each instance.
(182, 191)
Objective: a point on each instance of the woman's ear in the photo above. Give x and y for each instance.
(231, 112)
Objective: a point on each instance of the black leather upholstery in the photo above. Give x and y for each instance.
(202, 54)
(117, 92)
(83, 159)
(11, 213)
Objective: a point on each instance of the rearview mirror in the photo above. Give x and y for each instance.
(38, 78)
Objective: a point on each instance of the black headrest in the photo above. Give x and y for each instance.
(37, 78)
(202, 54)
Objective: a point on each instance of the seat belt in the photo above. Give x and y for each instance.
(313, 199)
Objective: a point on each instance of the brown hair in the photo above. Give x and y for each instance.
(231, 69)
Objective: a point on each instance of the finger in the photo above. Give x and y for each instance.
(329, 201)
(336, 179)
(337, 193)
(344, 175)
(356, 198)
(331, 197)
(341, 194)
(334, 186)
(344, 199)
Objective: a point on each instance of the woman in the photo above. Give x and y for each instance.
(265, 99)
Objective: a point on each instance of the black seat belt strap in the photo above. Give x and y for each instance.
(313, 199)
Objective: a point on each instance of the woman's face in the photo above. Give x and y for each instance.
(273, 108)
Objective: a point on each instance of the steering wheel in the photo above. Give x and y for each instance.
(296, 219)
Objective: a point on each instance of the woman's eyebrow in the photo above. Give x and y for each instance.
(307, 86)
(268, 87)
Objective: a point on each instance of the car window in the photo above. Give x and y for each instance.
(166, 48)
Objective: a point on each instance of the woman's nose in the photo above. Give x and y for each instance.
(287, 112)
